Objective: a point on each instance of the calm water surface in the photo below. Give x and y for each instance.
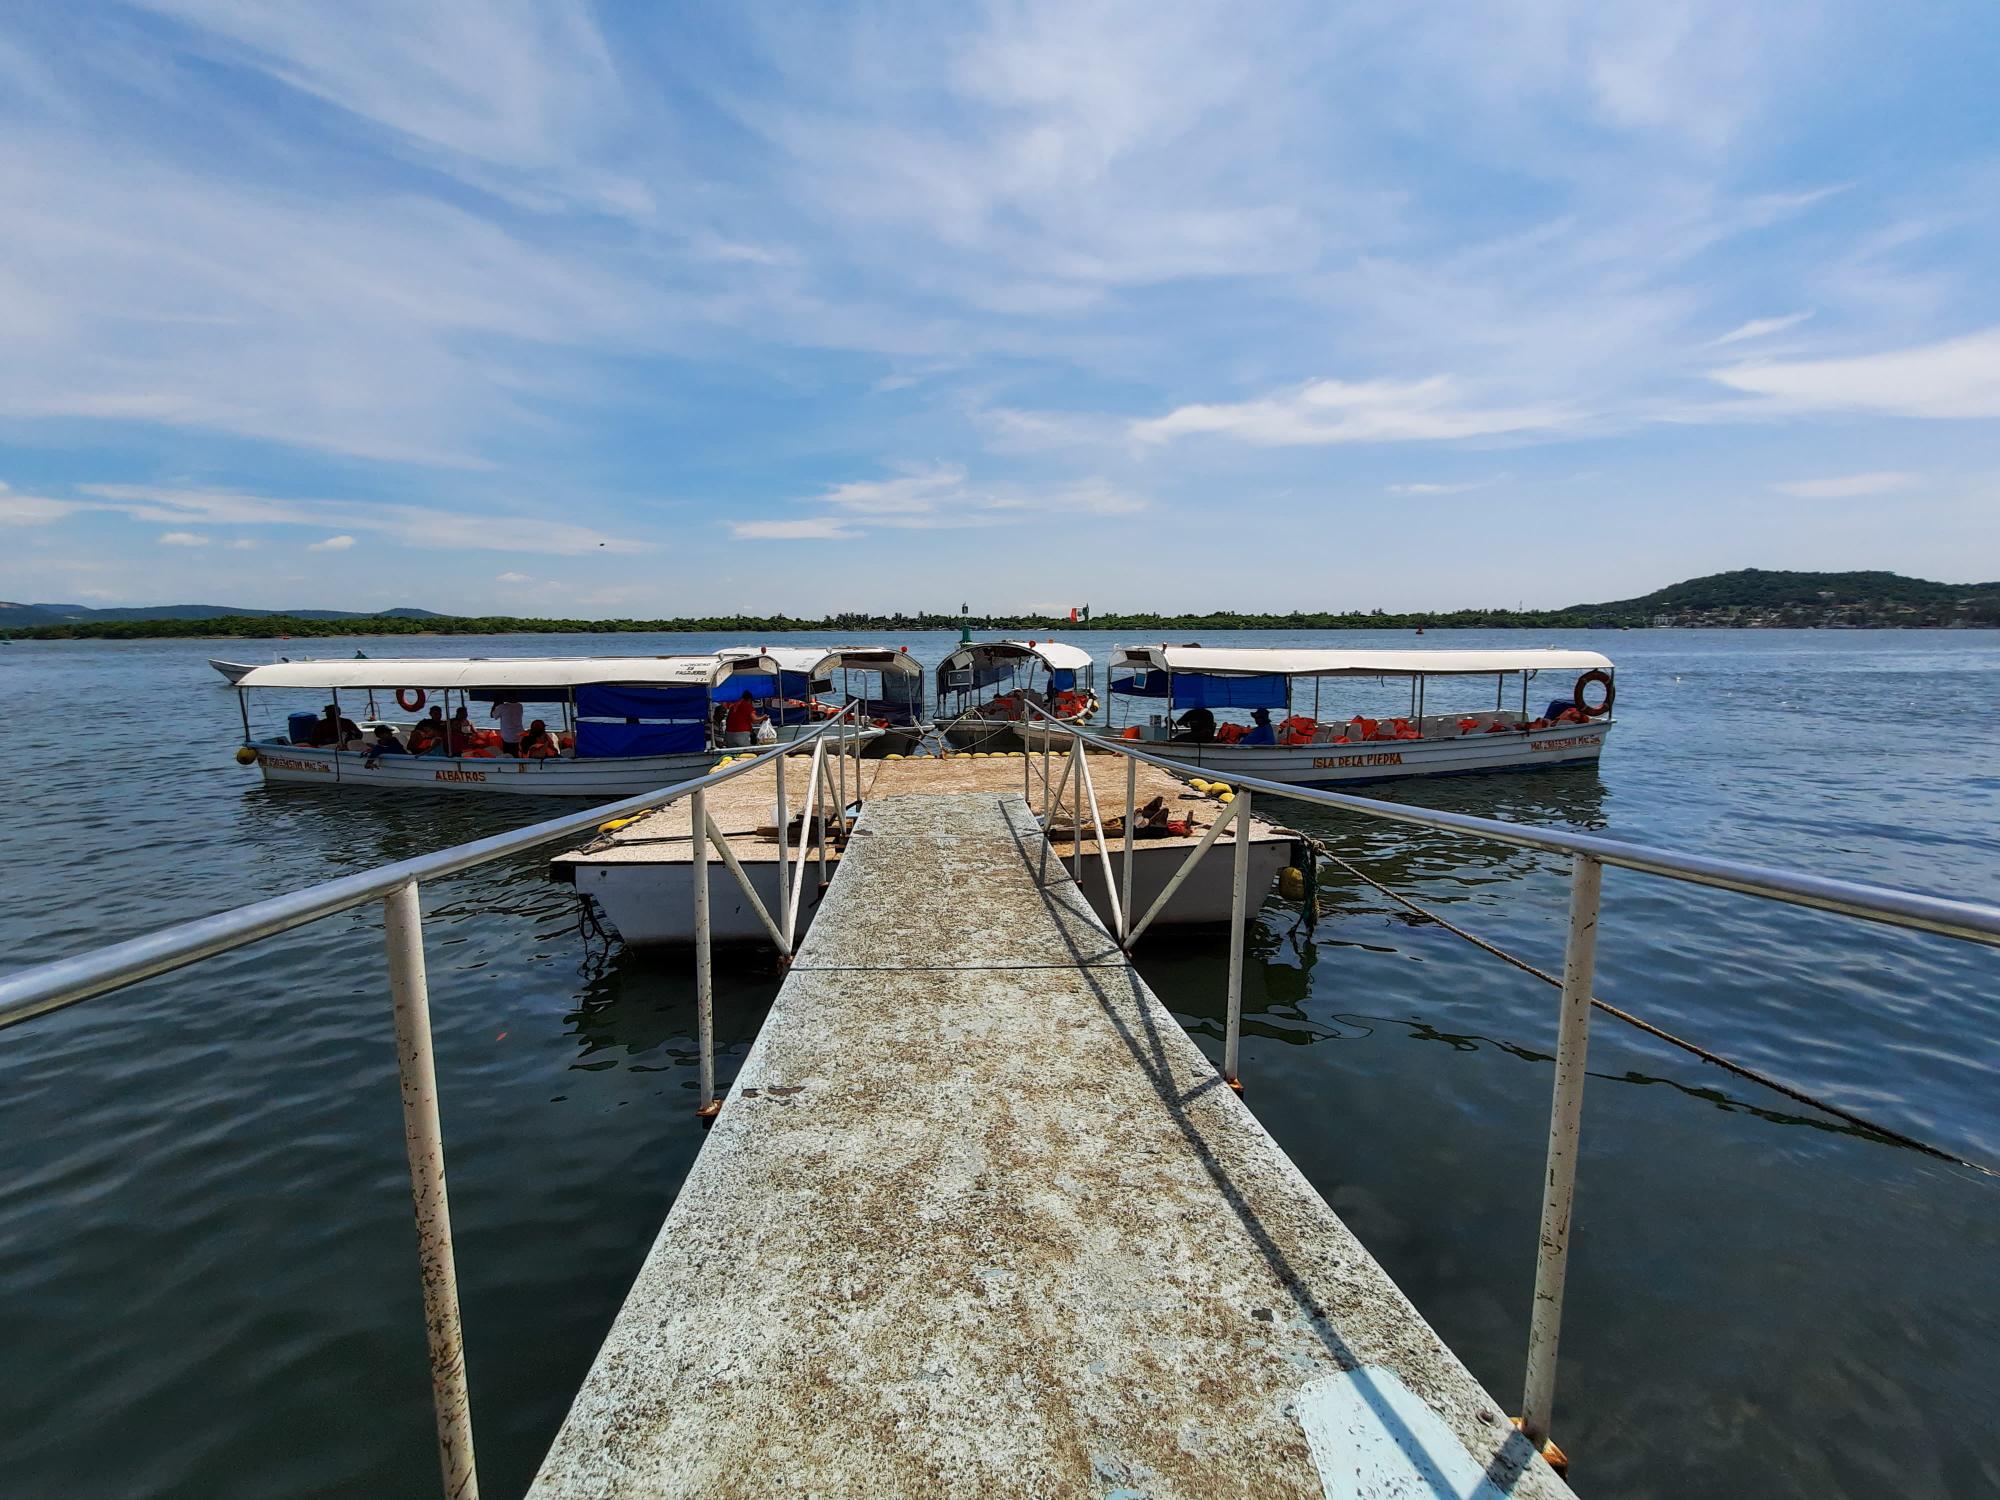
(207, 1268)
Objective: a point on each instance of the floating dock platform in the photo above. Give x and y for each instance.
(978, 1218)
(641, 874)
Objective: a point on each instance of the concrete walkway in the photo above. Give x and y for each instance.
(979, 1219)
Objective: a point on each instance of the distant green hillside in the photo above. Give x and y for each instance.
(1749, 597)
(1761, 596)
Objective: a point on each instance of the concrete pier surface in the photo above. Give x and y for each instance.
(978, 1218)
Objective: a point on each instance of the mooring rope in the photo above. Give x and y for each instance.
(1762, 1079)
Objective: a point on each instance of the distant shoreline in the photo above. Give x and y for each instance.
(280, 628)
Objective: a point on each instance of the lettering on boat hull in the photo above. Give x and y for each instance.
(287, 763)
(461, 775)
(1569, 744)
(1344, 762)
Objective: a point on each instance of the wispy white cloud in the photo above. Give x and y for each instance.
(516, 97)
(182, 539)
(1846, 486)
(331, 544)
(512, 578)
(1432, 487)
(811, 529)
(34, 510)
(1959, 378)
(1338, 411)
(1758, 328)
(939, 497)
(414, 526)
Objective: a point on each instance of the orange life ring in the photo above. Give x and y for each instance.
(409, 700)
(1602, 678)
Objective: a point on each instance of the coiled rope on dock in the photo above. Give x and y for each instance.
(1763, 1080)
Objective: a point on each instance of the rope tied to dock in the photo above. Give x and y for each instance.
(1764, 1080)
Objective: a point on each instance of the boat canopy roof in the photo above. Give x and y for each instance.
(476, 672)
(1262, 661)
(1053, 654)
(820, 660)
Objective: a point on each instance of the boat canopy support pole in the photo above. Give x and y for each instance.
(423, 1144)
(1565, 1125)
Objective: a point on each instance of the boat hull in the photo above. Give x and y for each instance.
(969, 732)
(1376, 760)
(601, 780)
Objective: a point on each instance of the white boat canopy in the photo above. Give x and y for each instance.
(818, 661)
(1261, 661)
(503, 672)
(1054, 655)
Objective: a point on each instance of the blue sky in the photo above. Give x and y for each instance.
(649, 310)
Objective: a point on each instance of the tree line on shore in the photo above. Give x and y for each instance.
(271, 627)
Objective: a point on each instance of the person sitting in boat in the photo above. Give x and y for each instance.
(1261, 732)
(507, 714)
(739, 727)
(460, 736)
(334, 731)
(539, 744)
(428, 737)
(384, 743)
(1197, 725)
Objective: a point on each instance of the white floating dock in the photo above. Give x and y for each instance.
(642, 875)
(978, 1218)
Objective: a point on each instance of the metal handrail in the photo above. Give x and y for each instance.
(1974, 922)
(66, 981)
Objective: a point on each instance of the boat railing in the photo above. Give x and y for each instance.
(63, 982)
(1973, 922)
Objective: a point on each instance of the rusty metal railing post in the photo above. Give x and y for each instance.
(1076, 823)
(423, 1143)
(1239, 917)
(1565, 1125)
(704, 988)
(1131, 812)
(785, 907)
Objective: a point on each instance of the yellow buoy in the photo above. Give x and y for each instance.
(245, 756)
(892, 757)
(1225, 798)
(1292, 883)
(615, 824)
(1220, 791)
(1198, 784)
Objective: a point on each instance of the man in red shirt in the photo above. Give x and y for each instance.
(740, 724)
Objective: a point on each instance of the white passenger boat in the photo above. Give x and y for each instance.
(1328, 722)
(983, 687)
(232, 670)
(816, 682)
(620, 725)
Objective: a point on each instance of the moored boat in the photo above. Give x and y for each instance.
(984, 689)
(886, 683)
(1292, 715)
(615, 726)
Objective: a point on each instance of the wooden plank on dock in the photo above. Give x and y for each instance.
(978, 1218)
